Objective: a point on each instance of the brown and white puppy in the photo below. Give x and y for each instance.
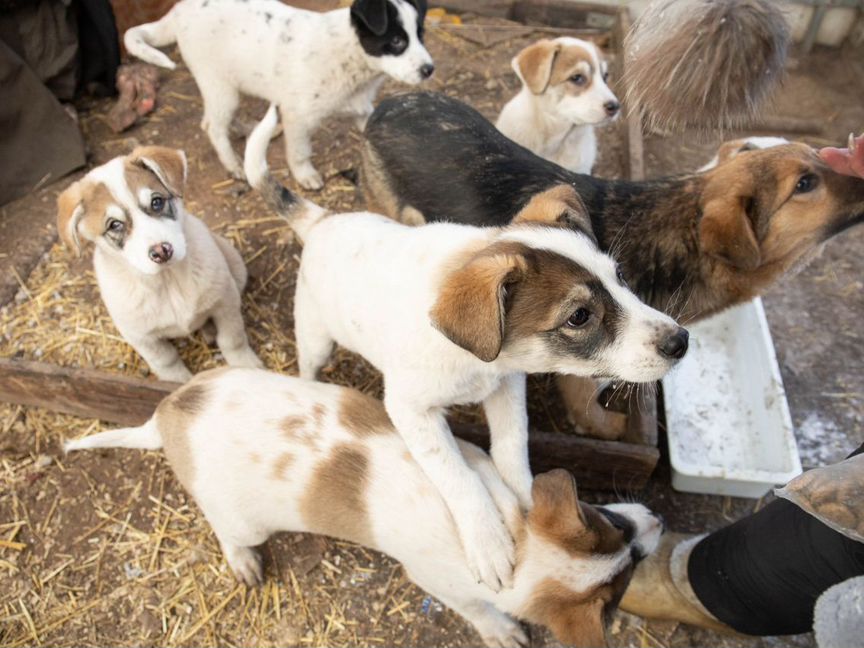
(162, 274)
(331, 462)
(563, 96)
(453, 314)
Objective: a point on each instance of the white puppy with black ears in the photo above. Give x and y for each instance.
(162, 274)
(312, 65)
(564, 95)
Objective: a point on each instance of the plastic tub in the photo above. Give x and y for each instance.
(728, 422)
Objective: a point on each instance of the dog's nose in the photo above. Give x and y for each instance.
(161, 252)
(426, 70)
(675, 346)
(612, 108)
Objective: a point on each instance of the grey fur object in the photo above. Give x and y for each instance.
(704, 63)
(838, 619)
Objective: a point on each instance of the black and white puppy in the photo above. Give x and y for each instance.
(312, 65)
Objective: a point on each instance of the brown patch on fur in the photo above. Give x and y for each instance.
(334, 502)
(535, 64)
(94, 198)
(560, 205)
(174, 416)
(363, 415)
(573, 59)
(726, 231)
(166, 164)
(317, 415)
(283, 461)
(577, 618)
(300, 429)
(254, 457)
(559, 517)
(470, 305)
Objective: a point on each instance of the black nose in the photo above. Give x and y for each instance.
(426, 70)
(675, 346)
(161, 252)
(612, 107)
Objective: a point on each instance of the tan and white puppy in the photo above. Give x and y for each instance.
(162, 274)
(454, 314)
(563, 96)
(331, 462)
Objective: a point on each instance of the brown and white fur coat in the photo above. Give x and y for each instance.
(330, 462)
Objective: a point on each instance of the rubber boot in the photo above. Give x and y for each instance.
(660, 588)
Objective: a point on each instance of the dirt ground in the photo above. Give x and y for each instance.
(106, 549)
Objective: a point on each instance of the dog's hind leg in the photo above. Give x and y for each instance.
(314, 343)
(220, 103)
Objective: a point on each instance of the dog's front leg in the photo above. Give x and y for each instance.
(162, 357)
(485, 539)
(507, 415)
(298, 149)
(231, 337)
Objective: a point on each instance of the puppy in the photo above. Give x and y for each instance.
(458, 314)
(689, 245)
(730, 149)
(311, 64)
(331, 462)
(161, 272)
(564, 94)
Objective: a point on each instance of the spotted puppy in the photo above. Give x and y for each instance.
(161, 272)
(331, 462)
(456, 314)
(311, 64)
(564, 95)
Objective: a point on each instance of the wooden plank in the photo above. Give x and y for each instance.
(596, 464)
(631, 124)
(84, 392)
(130, 401)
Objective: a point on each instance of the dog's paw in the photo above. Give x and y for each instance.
(489, 550)
(246, 358)
(175, 373)
(308, 178)
(503, 632)
(245, 562)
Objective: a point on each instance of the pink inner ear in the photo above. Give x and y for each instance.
(842, 160)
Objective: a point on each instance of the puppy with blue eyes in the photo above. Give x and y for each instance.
(161, 272)
(312, 65)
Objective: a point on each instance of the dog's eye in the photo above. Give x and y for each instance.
(157, 203)
(579, 318)
(620, 275)
(807, 182)
(396, 42)
(578, 79)
(115, 225)
(605, 77)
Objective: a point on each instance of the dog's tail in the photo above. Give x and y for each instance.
(300, 213)
(141, 41)
(145, 437)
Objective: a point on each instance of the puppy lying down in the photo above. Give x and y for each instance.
(328, 460)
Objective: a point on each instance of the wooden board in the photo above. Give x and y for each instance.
(130, 401)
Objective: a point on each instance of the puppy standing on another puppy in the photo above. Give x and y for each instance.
(456, 314)
(161, 272)
(564, 95)
(311, 64)
(329, 461)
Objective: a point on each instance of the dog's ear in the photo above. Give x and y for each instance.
(70, 210)
(726, 229)
(470, 308)
(372, 13)
(556, 510)
(167, 164)
(560, 205)
(581, 625)
(534, 64)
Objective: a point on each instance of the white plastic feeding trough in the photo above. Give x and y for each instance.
(728, 422)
